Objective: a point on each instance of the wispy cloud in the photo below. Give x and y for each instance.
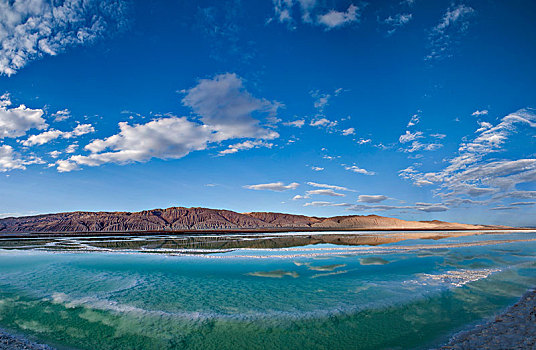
(397, 21)
(472, 174)
(478, 113)
(454, 23)
(333, 187)
(311, 12)
(273, 186)
(32, 29)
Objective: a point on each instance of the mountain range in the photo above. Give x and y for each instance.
(184, 220)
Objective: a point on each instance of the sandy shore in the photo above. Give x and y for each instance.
(515, 329)
(14, 342)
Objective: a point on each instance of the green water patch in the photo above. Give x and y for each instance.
(419, 323)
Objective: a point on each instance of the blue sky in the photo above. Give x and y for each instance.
(412, 109)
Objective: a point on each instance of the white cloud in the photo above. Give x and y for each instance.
(324, 192)
(418, 146)
(245, 146)
(61, 115)
(425, 207)
(71, 148)
(9, 160)
(273, 186)
(313, 12)
(454, 23)
(164, 138)
(225, 109)
(296, 123)
(334, 18)
(478, 113)
(364, 141)
(349, 131)
(317, 204)
(55, 154)
(439, 136)
(358, 170)
(483, 126)
(42, 138)
(317, 168)
(471, 174)
(397, 21)
(64, 166)
(371, 198)
(32, 29)
(224, 104)
(415, 119)
(53, 134)
(323, 122)
(409, 136)
(14, 122)
(333, 187)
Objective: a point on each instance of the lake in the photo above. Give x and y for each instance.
(326, 290)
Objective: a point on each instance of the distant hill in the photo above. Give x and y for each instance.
(178, 219)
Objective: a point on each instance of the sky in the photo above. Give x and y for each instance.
(412, 109)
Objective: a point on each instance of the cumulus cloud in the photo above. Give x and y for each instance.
(224, 104)
(317, 168)
(16, 121)
(164, 138)
(371, 198)
(64, 166)
(323, 122)
(226, 112)
(349, 131)
(32, 29)
(53, 134)
(454, 23)
(273, 186)
(358, 170)
(334, 18)
(9, 160)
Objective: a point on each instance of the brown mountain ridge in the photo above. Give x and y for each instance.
(179, 219)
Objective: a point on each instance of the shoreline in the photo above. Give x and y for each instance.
(246, 231)
(515, 328)
(9, 341)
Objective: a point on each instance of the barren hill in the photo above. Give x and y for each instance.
(202, 219)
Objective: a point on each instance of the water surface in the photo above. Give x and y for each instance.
(328, 290)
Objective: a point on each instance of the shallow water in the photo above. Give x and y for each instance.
(319, 291)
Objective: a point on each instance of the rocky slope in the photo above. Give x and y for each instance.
(191, 219)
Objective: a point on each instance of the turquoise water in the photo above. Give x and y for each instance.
(89, 294)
